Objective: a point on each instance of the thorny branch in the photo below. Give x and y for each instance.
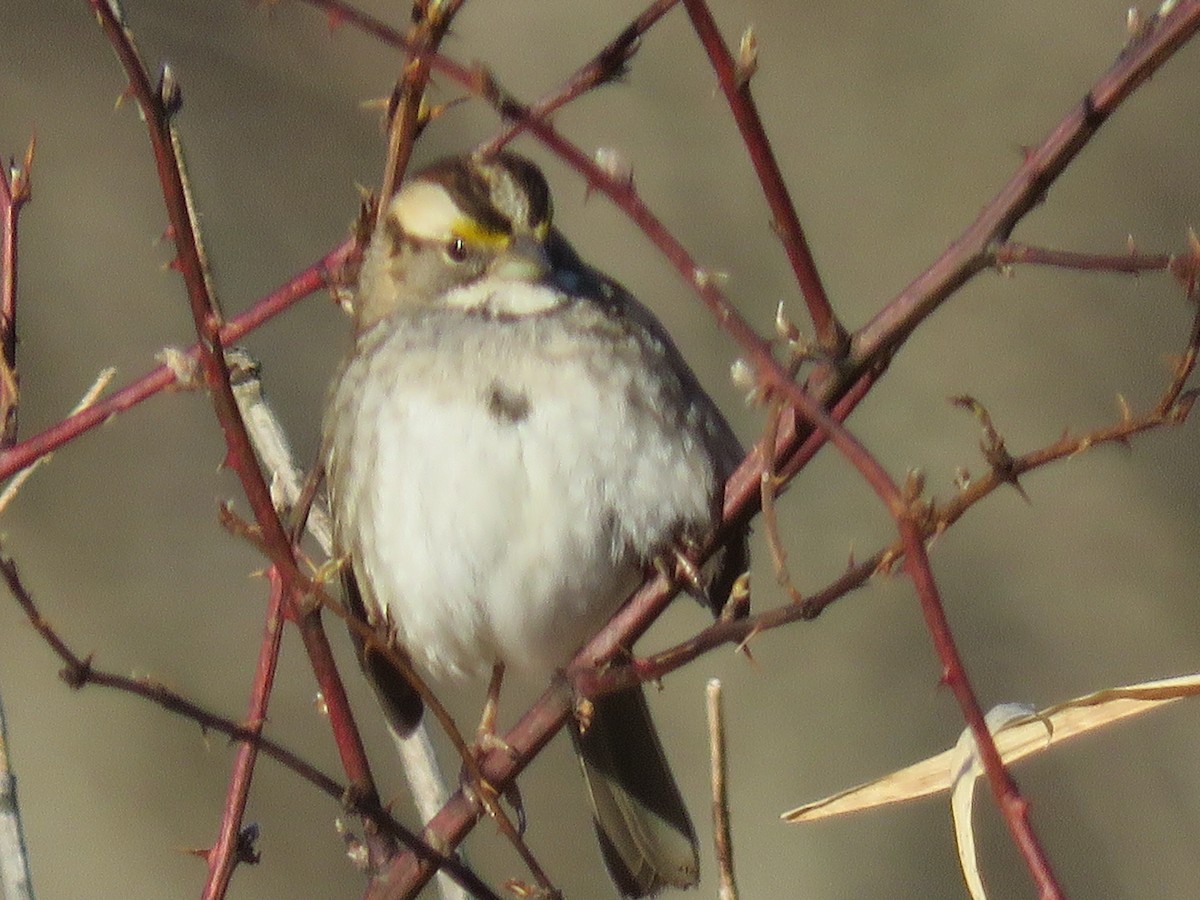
(734, 78)
(79, 672)
(605, 67)
(229, 849)
(16, 189)
(1171, 409)
(406, 108)
(158, 105)
(875, 343)
(979, 247)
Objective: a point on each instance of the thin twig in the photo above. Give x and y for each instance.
(431, 22)
(16, 880)
(16, 189)
(287, 485)
(317, 276)
(606, 66)
(1012, 253)
(1170, 410)
(735, 85)
(158, 105)
(768, 493)
(229, 850)
(718, 778)
(79, 672)
(971, 252)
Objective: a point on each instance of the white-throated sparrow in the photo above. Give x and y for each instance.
(511, 441)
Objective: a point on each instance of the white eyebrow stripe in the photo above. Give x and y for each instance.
(425, 211)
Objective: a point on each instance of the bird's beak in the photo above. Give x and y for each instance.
(524, 259)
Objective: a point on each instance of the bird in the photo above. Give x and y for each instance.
(510, 445)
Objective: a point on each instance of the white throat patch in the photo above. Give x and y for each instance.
(511, 299)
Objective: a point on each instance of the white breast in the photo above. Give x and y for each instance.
(504, 481)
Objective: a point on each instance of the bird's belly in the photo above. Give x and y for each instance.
(482, 549)
(505, 518)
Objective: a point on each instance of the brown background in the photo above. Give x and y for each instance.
(894, 122)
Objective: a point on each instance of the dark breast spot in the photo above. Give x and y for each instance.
(506, 404)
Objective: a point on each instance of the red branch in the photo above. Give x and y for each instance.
(229, 850)
(1012, 253)
(872, 346)
(16, 189)
(314, 278)
(735, 85)
(973, 250)
(79, 672)
(158, 105)
(602, 68)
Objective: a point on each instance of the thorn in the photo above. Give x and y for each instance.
(747, 60)
(21, 178)
(1186, 268)
(886, 563)
(356, 850)
(1135, 22)
(914, 485)
(737, 605)
(615, 165)
(741, 373)
(785, 327)
(185, 369)
(170, 94)
(434, 112)
(1016, 485)
(962, 478)
(522, 889)
(1126, 412)
(1183, 406)
(743, 646)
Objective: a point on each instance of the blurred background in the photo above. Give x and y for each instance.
(894, 123)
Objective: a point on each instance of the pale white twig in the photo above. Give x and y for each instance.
(15, 880)
(270, 442)
(722, 834)
(90, 396)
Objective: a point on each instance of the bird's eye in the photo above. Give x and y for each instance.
(456, 250)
